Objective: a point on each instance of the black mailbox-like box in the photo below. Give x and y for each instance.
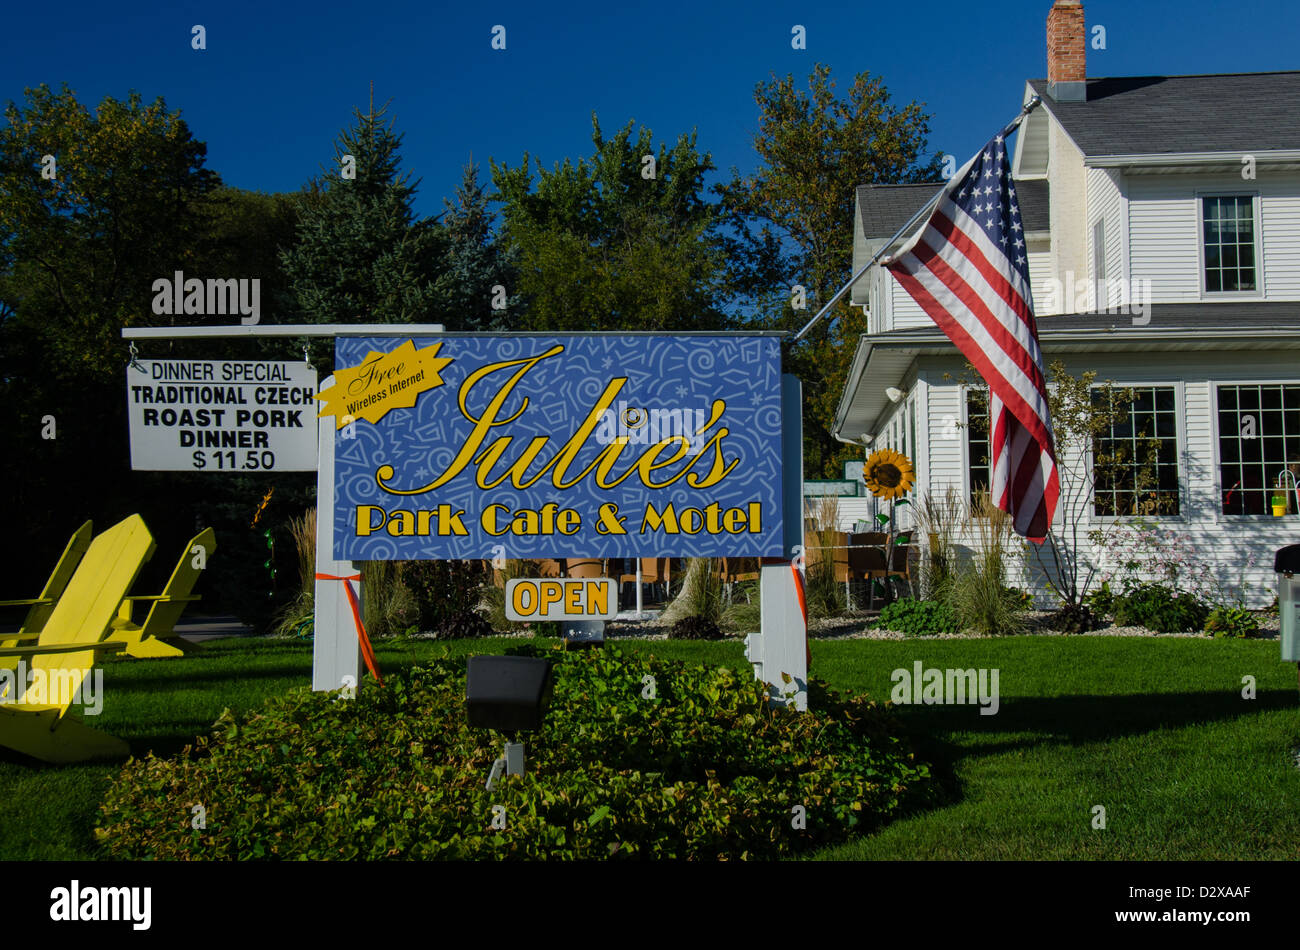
(507, 693)
(1287, 560)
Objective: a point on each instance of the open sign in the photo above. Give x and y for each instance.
(571, 598)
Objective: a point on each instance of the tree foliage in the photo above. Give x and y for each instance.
(130, 202)
(796, 211)
(473, 263)
(79, 251)
(361, 254)
(598, 245)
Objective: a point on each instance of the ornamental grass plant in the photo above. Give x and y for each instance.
(977, 591)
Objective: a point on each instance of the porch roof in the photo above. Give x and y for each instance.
(882, 360)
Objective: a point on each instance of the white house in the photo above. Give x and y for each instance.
(1162, 222)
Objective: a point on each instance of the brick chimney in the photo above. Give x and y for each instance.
(1067, 52)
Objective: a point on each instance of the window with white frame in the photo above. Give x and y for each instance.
(1228, 243)
(1259, 438)
(977, 442)
(1135, 459)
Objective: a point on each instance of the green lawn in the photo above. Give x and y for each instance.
(1154, 730)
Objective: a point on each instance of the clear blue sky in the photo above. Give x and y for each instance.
(278, 80)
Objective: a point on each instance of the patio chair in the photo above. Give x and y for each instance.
(738, 570)
(584, 567)
(157, 637)
(655, 571)
(41, 607)
(72, 639)
(866, 560)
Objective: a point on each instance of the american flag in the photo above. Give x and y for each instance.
(968, 269)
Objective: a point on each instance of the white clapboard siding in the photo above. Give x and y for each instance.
(1164, 231)
(1225, 543)
(1164, 228)
(1280, 225)
(947, 447)
(851, 509)
(1106, 204)
(1042, 269)
(905, 311)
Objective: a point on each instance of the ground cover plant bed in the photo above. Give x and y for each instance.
(1154, 729)
(640, 757)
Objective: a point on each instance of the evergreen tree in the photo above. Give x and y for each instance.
(473, 263)
(361, 255)
(615, 242)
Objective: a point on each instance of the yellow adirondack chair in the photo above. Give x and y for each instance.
(71, 640)
(43, 606)
(156, 637)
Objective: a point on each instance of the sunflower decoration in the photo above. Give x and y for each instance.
(888, 474)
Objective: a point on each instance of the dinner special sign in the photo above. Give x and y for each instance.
(465, 447)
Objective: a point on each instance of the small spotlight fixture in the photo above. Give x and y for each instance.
(894, 394)
(509, 694)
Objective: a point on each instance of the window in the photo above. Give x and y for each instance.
(977, 441)
(1228, 233)
(1136, 460)
(1259, 436)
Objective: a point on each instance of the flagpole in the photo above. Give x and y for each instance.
(925, 209)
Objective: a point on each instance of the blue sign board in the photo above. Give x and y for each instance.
(532, 446)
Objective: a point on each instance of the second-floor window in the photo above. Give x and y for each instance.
(1228, 240)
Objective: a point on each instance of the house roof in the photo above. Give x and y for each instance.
(1154, 115)
(886, 208)
(882, 360)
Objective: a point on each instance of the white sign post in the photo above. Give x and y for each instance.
(336, 649)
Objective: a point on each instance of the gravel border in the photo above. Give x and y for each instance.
(857, 627)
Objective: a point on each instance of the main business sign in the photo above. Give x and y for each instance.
(525, 446)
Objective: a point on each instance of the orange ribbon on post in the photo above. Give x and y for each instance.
(803, 607)
(367, 652)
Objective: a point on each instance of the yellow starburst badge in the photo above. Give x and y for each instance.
(888, 474)
(383, 382)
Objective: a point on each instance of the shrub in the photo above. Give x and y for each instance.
(1231, 622)
(1160, 608)
(744, 614)
(1101, 601)
(467, 623)
(704, 770)
(1072, 618)
(980, 602)
(695, 628)
(918, 617)
(447, 593)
